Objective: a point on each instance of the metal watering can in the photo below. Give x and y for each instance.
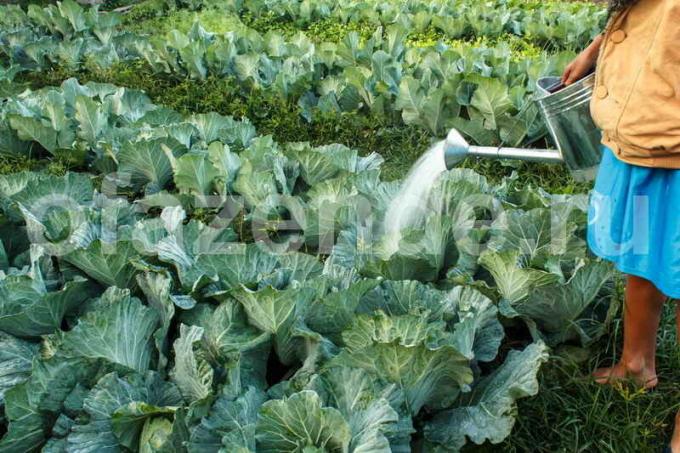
(566, 112)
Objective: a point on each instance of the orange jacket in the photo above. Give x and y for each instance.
(636, 101)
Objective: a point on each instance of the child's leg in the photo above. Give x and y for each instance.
(677, 320)
(676, 434)
(675, 443)
(642, 315)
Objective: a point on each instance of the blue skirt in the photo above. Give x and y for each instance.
(634, 221)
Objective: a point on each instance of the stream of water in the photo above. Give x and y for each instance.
(409, 208)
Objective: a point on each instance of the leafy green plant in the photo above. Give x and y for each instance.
(132, 318)
(485, 92)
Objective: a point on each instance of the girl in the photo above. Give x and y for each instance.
(634, 214)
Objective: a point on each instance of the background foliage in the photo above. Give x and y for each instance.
(278, 98)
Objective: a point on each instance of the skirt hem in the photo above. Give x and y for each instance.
(637, 273)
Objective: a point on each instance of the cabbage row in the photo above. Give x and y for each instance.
(483, 91)
(198, 287)
(559, 25)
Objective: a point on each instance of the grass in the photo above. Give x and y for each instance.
(573, 414)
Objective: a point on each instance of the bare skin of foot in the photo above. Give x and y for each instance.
(641, 318)
(643, 377)
(675, 442)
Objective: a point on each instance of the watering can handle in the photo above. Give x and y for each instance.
(555, 87)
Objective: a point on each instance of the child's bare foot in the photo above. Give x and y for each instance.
(645, 377)
(675, 443)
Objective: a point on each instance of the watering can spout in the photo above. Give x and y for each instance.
(456, 149)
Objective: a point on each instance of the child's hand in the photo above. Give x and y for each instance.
(577, 69)
(583, 63)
